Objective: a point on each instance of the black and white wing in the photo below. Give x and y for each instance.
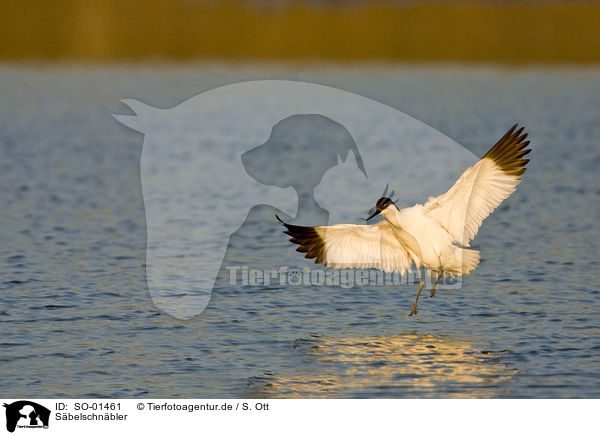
(348, 246)
(481, 188)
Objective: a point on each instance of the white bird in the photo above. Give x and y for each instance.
(435, 235)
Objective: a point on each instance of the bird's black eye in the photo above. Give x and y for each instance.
(382, 203)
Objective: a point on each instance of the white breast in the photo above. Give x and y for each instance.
(432, 241)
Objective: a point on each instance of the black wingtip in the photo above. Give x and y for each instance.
(308, 238)
(509, 151)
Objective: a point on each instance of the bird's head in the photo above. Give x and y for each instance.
(382, 204)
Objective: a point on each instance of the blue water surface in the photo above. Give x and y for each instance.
(75, 312)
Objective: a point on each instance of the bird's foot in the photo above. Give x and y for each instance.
(414, 310)
(432, 292)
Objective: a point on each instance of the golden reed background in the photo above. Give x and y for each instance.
(130, 30)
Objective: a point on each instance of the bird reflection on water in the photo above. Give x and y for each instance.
(406, 365)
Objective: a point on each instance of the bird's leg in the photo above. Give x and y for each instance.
(414, 307)
(438, 275)
(437, 278)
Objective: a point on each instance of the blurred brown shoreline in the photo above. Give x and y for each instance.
(457, 31)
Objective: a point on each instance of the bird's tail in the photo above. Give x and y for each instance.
(470, 260)
(460, 261)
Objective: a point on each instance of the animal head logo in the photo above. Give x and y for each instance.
(209, 160)
(25, 413)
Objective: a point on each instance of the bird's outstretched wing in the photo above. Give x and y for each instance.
(481, 188)
(352, 246)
